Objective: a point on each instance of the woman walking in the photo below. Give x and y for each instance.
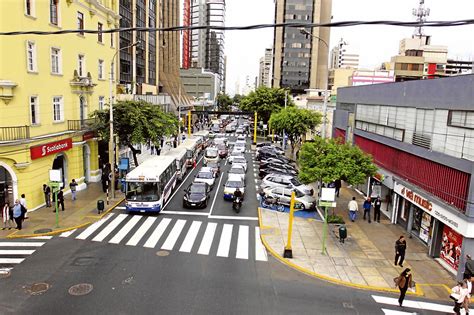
(459, 294)
(404, 281)
(6, 216)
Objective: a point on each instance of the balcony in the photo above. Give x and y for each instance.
(14, 133)
(81, 124)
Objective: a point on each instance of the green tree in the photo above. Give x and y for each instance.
(328, 160)
(265, 101)
(295, 122)
(223, 101)
(136, 122)
(236, 99)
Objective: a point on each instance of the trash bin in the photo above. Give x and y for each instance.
(342, 233)
(100, 206)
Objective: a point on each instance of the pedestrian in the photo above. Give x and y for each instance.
(377, 206)
(468, 267)
(47, 195)
(367, 205)
(467, 300)
(459, 294)
(23, 203)
(6, 216)
(353, 208)
(17, 214)
(403, 282)
(54, 199)
(73, 186)
(400, 248)
(337, 185)
(104, 178)
(61, 199)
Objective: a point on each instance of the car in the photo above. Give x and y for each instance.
(239, 147)
(222, 150)
(215, 168)
(303, 202)
(211, 155)
(278, 160)
(228, 129)
(220, 140)
(240, 130)
(241, 138)
(240, 160)
(264, 144)
(233, 154)
(278, 180)
(239, 170)
(283, 166)
(234, 181)
(276, 170)
(196, 195)
(233, 127)
(271, 148)
(205, 175)
(264, 158)
(216, 128)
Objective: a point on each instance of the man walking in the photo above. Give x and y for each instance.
(72, 186)
(61, 199)
(367, 205)
(23, 203)
(468, 267)
(377, 206)
(400, 248)
(47, 195)
(353, 208)
(337, 185)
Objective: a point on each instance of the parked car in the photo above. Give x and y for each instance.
(283, 166)
(205, 175)
(303, 202)
(196, 195)
(239, 170)
(264, 157)
(233, 182)
(240, 160)
(278, 180)
(264, 144)
(276, 170)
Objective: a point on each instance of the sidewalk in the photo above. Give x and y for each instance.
(365, 260)
(78, 213)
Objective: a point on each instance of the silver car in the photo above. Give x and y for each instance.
(286, 181)
(303, 202)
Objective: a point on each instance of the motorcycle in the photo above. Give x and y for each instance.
(272, 204)
(237, 204)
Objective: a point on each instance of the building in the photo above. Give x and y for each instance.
(200, 84)
(344, 55)
(300, 57)
(421, 136)
(205, 48)
(265, 69)
(366, 77)
(48, 87)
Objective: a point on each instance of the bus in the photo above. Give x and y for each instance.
(149, 186)
(180, 155)
(192, 146)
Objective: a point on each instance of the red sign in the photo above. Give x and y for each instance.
(43, 150)
(451, 245)
(410, 195)
(88, 135)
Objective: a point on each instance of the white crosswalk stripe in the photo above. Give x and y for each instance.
(190, 237)
(91, 229)
(109, 228)
(124, 231)
(174, 234)
(243, 243)
(260, 252)
(155, 237)
(141, 231)
(411, 304)
(67, 233)
(14, 252)
(224, 243)
(206, 242)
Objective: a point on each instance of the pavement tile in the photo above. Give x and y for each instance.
(342, 274)
(377, 281)
(368, 271)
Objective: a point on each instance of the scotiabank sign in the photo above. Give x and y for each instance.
(43, 150)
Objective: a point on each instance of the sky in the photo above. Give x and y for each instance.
(375, 44)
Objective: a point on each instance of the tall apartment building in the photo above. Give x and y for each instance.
(48, 87)
(421, 136)
(205, 48)
(300, 61)
(344, 55)
(265, 69)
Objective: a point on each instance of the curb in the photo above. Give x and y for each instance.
(13, 236)
(418, 290)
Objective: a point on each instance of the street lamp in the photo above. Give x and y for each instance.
(111, 121)
(325, 104)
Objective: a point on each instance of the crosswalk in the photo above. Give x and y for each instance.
(226, 240)
(14, 252)
(236, 135)
(410, 306)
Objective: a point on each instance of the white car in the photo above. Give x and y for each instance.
(305, 202)
(240, 130)
(211, 155)
(240, 160)
(241, 138)
(205, 176)
(237, 169)
(233, 182)
(239, 147)
(234, 154)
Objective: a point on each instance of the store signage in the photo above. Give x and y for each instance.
(416, 199)
(50, 148)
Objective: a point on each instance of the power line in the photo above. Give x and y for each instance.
(248, 27)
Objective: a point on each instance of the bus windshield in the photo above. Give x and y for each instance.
(138, 191)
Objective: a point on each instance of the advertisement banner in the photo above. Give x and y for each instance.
(451, 245)
(50, 148)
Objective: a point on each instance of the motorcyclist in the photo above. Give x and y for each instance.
(237, 194)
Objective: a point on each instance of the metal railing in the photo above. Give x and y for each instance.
(14, 133)
(81, 124)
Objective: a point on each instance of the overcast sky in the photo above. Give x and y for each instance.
(375, 43)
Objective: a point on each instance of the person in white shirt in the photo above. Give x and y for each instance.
(467, 300)
(353, 208)
(23, 203)
(460, 292)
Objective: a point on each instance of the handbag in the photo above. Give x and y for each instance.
(396, 280)
(412, 284)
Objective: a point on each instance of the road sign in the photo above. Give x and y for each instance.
(327, 204)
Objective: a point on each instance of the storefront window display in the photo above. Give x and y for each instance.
(451, 246)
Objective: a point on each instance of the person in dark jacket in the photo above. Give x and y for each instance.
(377, 206)
(61, 199)
(404, 281)
(468, 267)
(400, 248)
(337, 185)
(367, 205)
(47, 195)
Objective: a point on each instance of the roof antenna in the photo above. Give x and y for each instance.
(421, 13)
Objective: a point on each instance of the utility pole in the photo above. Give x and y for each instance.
(179, 117)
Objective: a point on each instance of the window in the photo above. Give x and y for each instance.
(81, 66)
(29, 9)
(53, 11)
(101, 102)
(55, 61)
(80, 22)
(101, 69)
(31, 56)
(463, 119)
(99, 35)
(34, 110)
(58, 109)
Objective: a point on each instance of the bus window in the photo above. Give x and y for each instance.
(142, 191)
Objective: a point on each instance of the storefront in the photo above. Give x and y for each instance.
(381, 185)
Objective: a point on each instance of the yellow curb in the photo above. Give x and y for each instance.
(418, 291)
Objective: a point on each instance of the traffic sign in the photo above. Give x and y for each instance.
(327, 204)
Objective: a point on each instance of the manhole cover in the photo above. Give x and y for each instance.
(41, 231)
(4, 273)
(37, 288)
(162, 253)
(80, 289)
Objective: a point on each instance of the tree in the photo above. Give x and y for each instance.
(265, 101)
(296, 122)
(328, 160)
(236, 99)
(136, 122)
(223, 101)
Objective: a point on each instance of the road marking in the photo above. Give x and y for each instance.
(21, 244)
(157, 233)
(228, 217)
(215, 195)
(11, 260)
(414, 304)
(185, 212)
(87, 232)
(260, 252)
(16, 251)
(206, 242)
(125, 229)
(393, 312)
(120, 208)
(133, 241)
(109, 228)
(243, 243)
(174, 234)
(67, 233)
(256, 181)
(224, 243)
(190, 237)
(39, 238)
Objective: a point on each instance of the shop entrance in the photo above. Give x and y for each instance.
(60, 163)
(86, 154)
(7, 185)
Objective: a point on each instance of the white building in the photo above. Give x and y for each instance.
(344, 55)
(265, 69)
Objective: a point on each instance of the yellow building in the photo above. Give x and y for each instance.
(49, 84)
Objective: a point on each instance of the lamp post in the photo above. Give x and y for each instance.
(111, 121)
(325, 104)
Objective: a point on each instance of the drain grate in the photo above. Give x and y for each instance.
(347, 305)
(37, 288)
(41, 231)
(80, 289)
(162, 253)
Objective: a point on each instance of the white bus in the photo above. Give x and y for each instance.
(149, 186)
(193, 147)
(179, 154)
